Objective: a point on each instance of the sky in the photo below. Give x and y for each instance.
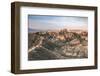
(41, 22)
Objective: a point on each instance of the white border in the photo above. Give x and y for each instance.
(25, 64)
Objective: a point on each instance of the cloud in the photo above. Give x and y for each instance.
(56, 22)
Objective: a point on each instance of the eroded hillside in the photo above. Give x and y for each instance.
(61, 44)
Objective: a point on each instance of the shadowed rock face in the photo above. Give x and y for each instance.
(43, 54)
(57, 45)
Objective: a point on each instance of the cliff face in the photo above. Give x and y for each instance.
(61, 44)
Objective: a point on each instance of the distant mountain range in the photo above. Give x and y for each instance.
(37, 30)
(32, 30)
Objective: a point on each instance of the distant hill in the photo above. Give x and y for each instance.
(32, 30)
(37, 30)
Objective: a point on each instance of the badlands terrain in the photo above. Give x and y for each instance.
(60, 44)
